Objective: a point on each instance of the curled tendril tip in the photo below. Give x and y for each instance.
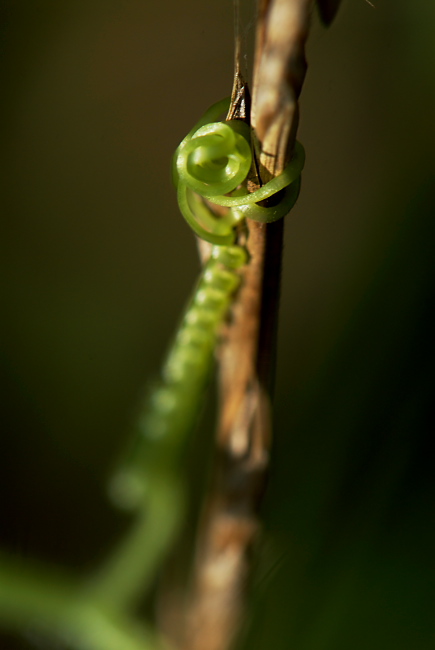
(211, 163)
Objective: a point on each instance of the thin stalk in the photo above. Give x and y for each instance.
(230, 523)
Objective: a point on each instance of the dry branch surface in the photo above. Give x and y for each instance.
(230, 522)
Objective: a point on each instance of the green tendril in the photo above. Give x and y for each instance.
(214, 160)
(210, 166)
(211, 162)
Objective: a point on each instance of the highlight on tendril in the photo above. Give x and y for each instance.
(216, 159)
(212, 161)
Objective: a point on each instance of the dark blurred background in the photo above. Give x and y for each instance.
(97, 263)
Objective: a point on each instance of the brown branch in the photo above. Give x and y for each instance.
(230, 522)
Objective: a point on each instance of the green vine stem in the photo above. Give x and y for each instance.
(34, 599)
(130, 570)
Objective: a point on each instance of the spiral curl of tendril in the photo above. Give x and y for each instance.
(212, 162)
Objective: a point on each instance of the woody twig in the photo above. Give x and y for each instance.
(246, 358)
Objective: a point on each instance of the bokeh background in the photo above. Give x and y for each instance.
(97, 263)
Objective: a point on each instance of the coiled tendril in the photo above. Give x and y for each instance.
(212, 161)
